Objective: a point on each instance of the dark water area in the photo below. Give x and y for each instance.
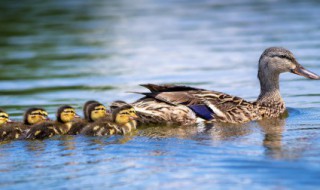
(67, 52)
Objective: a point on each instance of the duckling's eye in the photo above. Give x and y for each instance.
(98, 109)
(36, 113)
(69, 112)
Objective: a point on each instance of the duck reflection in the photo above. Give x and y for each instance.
(224, 131)
(213, 131)
(273, 132)
(167, 131)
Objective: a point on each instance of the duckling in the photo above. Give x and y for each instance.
(122, 122)
(65, 116)
(85, 108)
(16, 130)
(92, 112)
(117, 104)
(4, 118)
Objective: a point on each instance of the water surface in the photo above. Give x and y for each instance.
(67, 52)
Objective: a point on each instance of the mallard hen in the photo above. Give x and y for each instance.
(182, 105)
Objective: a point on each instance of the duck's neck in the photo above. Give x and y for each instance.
(269, 89)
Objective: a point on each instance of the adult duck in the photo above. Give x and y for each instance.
(182, 105)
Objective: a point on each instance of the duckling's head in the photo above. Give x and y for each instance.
(124, 114)
(66, 114)
(117, 104)
(276, 60)
(35, 115)
(4, 117)
(85, 108)
(96, 111)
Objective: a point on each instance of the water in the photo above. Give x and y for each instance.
(67, 52)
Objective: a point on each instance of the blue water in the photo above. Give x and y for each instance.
(67, 52)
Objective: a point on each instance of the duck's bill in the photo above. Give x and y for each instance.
(134, 117)
(304, 72)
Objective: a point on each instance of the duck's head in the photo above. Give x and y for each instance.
(35, 115)
(4, 118)
(85, 108)
(96, 111)
(117, 104)
(124, 114)
(276, 60)
(66, 114)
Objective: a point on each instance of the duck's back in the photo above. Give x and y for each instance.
(11, 131)
(101, 127)
(77, 127)
(208, 105)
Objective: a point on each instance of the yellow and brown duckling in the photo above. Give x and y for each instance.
(4, 118)
(117, 104)
(85, 108)
(16, 130)
(93, 111)
(65, 117)
(122, 122)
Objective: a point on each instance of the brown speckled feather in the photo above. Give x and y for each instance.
(161, 106)
(101, 127)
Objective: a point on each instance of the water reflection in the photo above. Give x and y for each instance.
(273, 131)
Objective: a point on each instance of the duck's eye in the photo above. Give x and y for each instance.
(69, 112)
(36, 113)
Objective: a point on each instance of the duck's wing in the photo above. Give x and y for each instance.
(10, 132)
(77, 127)
(42, 131)
(101, 128)
(167, 88)
(209, 105)
(227, 108)
(174, 98)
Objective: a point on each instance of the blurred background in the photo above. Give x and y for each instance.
(55, 52)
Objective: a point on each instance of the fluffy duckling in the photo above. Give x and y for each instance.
(15, 130)
(122, 122)
(85, 108)
(117, 104)
(4, 118)
(92, 112)
(65, 116)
